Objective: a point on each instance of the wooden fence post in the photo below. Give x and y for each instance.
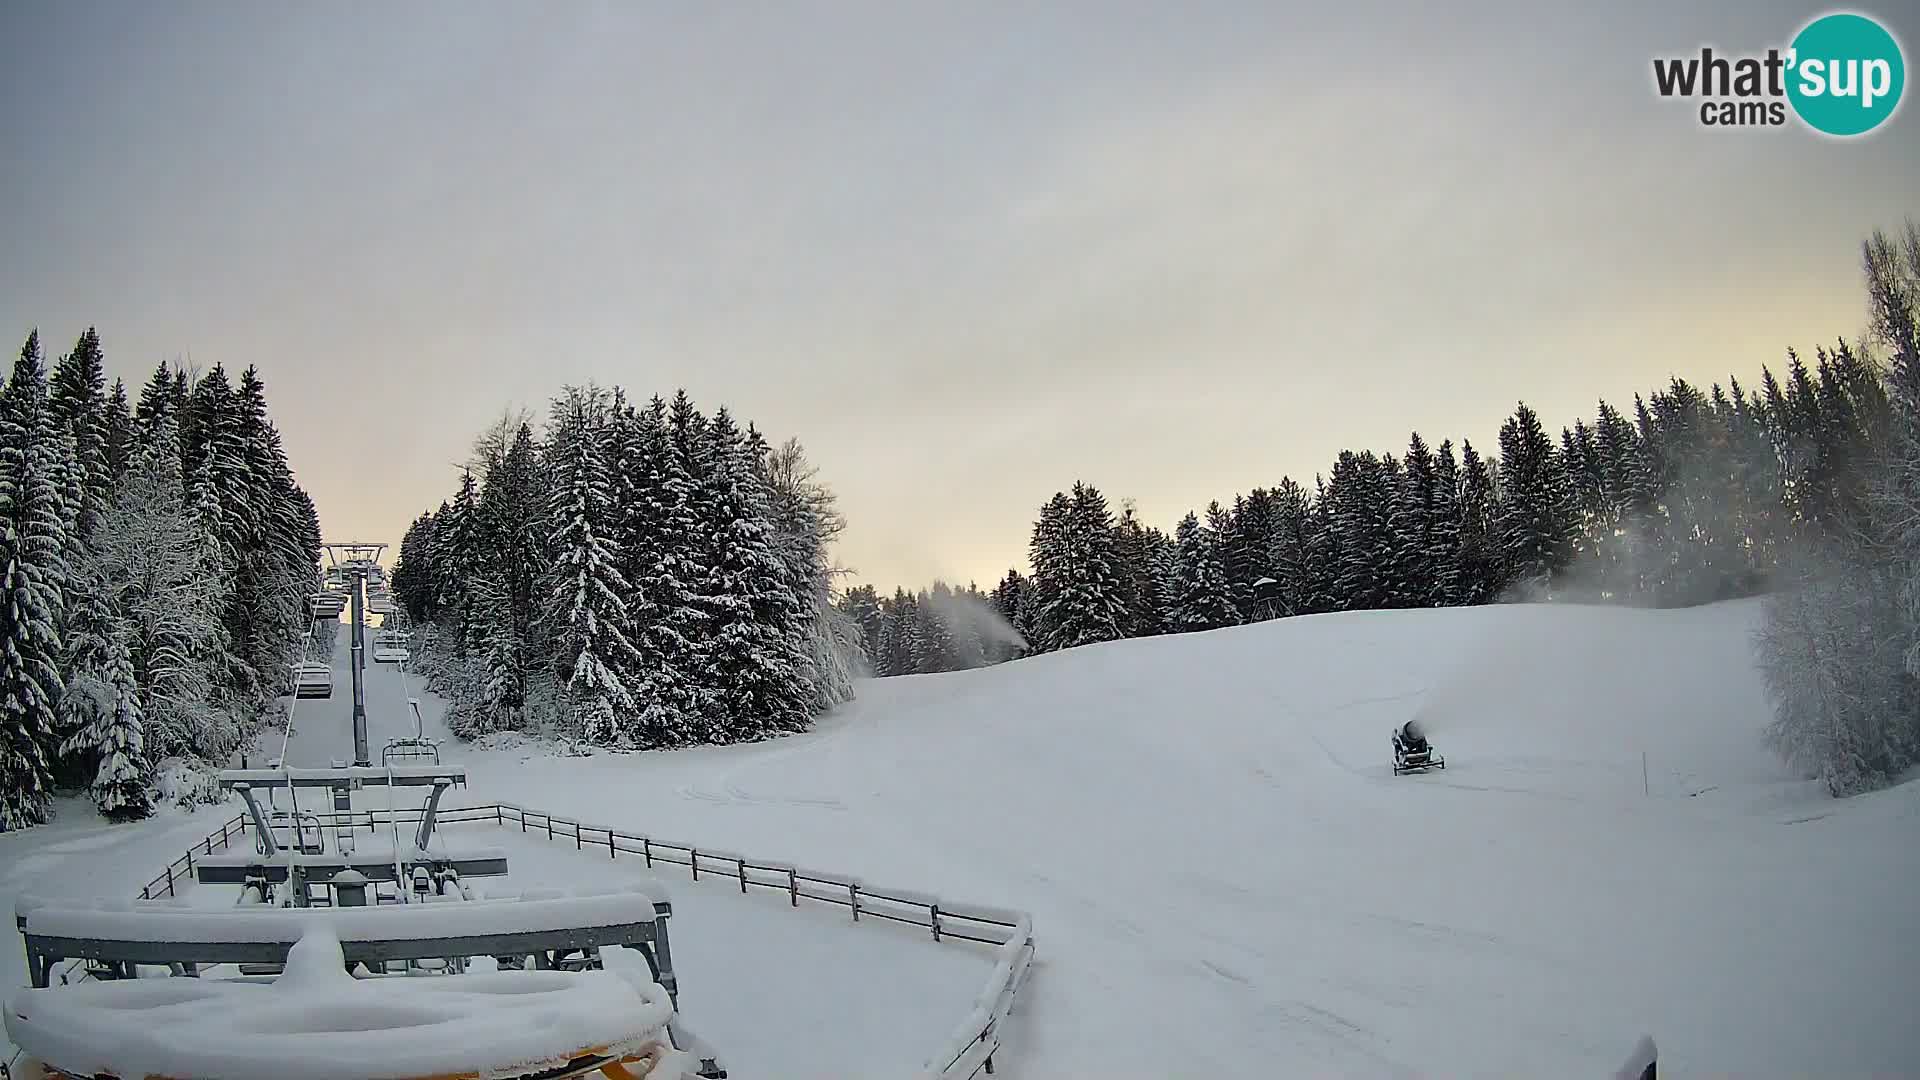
(793, 886)
(853, 899)
(743, 874)
(646, 850)
(693, 860)
(933, 917)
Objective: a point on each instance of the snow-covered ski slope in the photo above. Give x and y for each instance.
(1222, 868)
(1226, 879)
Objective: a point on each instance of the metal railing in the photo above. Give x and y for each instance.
(970, 1048)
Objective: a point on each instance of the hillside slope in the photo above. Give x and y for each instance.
(1222, 869)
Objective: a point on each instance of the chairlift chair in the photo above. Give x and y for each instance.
(313, 679)
(417, 748)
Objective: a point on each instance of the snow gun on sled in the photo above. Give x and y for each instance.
(1412, 752)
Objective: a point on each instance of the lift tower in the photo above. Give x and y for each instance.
(357, 560)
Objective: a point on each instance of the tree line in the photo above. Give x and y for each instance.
(1679, 500)
(157, 557)
(637, 576)
(1805, 487)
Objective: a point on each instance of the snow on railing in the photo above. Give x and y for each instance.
(969, 1049)
(182, 867)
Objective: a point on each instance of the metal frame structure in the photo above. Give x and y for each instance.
(358, 559)
(291, 876)
(417, 748)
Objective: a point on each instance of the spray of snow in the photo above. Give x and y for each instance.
(963, 614)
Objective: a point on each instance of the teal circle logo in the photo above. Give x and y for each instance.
(1846, 74)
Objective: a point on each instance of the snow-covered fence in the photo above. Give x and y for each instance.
(181, 869)
(970, 1048)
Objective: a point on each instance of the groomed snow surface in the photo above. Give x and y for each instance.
(1224, 876)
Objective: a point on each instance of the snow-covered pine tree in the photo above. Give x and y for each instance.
(101, 707)
(33, 578)
(1287, 553)
(116, 437)
(1139, 594)
(1412, 526)
(585, 604)
(1536, 521)
(1359, 500)
(413, 571)
(1047, 555)
(275, 557)
(861, 606)
(899, 633)
(1444, 555)
(1480, 579)
(1085, 600)
(77, 399)
(673, 634)
(760, 649)
(1249, 547)
(1622, 477)
(1163, 563)
(156, 399)
(511, 561)
(1203, 601)
(458, 564)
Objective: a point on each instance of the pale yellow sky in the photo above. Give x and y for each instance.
(967, 253)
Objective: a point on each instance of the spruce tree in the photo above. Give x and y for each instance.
(102, 711)
(1138, 593)
(585, 602)
(33, 578)
(675, 634)
(117, 435)
(1412, 527)
(77, 401)
(862, 605)
(1086, 603)
(1287, 547)
(1481, 576)
(757, 657)
(1048, 555)
(1536, 523)
(1443, 556)
(1203, 600)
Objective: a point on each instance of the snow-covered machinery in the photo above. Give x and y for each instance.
(310, 963)
(417, 748)
(1412, 752)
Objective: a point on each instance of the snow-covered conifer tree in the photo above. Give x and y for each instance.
(101, 708)
(33, 577)
(585, 600)
(1202, 600)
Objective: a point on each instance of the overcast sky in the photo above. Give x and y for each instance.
(968, 253)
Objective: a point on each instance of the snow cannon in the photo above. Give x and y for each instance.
(1412, 752)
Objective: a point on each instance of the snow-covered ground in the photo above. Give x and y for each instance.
(1225, 877)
